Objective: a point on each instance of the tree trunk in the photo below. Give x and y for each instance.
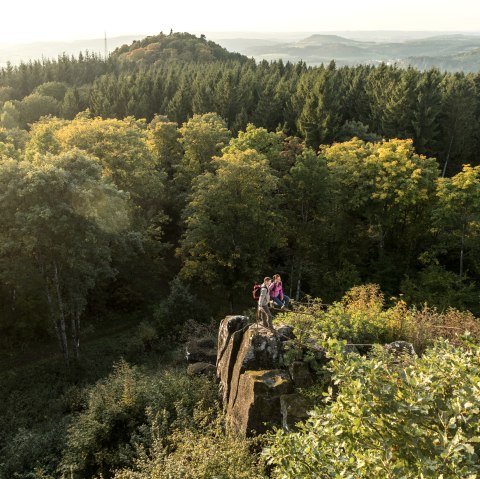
(62, 338)
(61, 314)
(462, 248)
(75, 326)
(53, 316)
(299, 282)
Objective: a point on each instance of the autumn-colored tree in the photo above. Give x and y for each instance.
(457, 216)
(231, 226)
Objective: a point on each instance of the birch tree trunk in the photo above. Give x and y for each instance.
(299, 281)
(75, 332)
(61, 314)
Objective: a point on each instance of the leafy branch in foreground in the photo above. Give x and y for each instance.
(416, 418)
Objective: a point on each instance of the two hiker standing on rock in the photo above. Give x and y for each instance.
(271, 291)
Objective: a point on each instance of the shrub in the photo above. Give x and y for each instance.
(146, 335)
(361, 317)
(102, 437)
(35, 447)
(417, 418)
(204, 450)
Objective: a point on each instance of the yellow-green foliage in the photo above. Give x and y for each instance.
(390, 418)
(120, 145)
(361, 317)
(205, 450)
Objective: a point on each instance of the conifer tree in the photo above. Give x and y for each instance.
(458, 123)
(426, 112)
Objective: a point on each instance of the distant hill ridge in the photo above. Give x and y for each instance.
(440, 50)
(320, 39)
(450, 52)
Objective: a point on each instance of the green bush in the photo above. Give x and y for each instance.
(102, 438)
(391, 418)
(358, 318)
(361, 317)
(202, 449)
(31, 448)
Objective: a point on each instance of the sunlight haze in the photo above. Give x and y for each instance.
(51, 20)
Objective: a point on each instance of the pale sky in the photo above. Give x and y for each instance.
(40, 20)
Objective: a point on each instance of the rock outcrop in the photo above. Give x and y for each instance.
(230, 336)
(255, 406)
(259, 370)
(399, 348)
(253, 378)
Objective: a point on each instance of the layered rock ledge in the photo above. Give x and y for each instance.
(255, 386)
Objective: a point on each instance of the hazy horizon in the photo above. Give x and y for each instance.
(368, 34)
(32, 22)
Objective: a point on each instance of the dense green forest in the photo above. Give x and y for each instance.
(179, 75)
(147, 192)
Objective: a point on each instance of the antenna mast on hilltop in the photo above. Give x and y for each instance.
(106, 51)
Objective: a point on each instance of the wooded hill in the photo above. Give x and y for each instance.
(179, 75)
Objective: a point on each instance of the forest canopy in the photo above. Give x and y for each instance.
(223, 169)
(216, 210)
(146, 192)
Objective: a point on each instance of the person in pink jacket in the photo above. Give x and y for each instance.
(277, 295)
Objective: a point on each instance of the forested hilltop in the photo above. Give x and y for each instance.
(144, 194)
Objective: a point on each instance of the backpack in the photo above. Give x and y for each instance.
(257, 288)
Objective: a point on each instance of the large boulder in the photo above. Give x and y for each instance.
(255, 407)
(253, 377)
(248, 368)
(256, 348)
(285, 332)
